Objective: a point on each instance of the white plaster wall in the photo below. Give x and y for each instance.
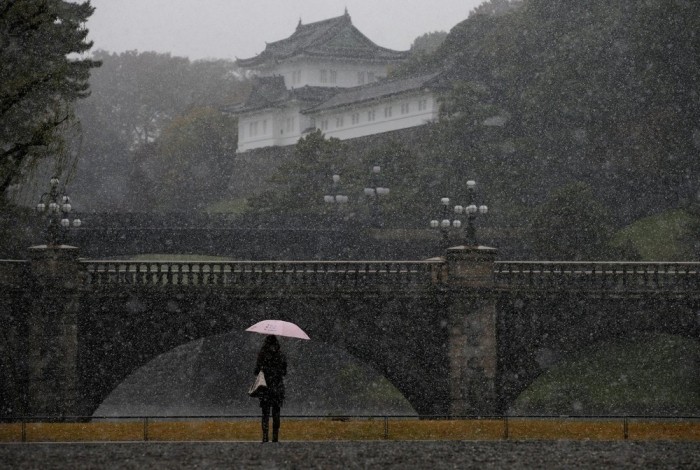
(414, 117)
(278, 132)
(309, 73)
(261, 138)
(290, 123)
(283, 127)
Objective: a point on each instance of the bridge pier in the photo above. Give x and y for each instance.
(472, 345)
(52, 342)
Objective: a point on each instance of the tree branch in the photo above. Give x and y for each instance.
(7, 104)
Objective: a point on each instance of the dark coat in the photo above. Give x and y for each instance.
(273, 363)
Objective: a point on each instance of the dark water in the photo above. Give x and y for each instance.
(378, 454)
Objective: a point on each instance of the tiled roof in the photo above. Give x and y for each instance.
(267, 91)
(334, 37)
(375, 91)
(270, 92)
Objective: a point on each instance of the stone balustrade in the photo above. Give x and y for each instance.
(533, 275)
(253, 273)
(598, 275)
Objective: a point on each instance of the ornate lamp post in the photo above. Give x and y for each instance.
(57, 208)
(374, 191)
(445, 222)
(471, 210)
(335, 197)
(53, 365)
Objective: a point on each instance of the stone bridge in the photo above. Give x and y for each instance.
(461, 334)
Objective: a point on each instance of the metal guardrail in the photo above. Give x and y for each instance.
(260, 273)
(384, 427)
(337, 417)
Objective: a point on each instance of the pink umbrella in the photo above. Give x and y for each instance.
(278, 328)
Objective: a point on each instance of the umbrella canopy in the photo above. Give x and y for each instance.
(278, 328)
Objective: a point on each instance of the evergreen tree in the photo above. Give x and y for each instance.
(571, 225)
(40, 78)
(135, 97)
(193, 157)
(301, 182)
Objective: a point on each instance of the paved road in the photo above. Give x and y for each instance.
(349, 455)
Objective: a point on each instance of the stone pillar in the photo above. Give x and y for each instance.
(472, 346)
(53, 332)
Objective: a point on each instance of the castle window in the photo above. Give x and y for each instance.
(334, 76)
(339, 121)
(355, 118)
(264, 127)
(290, 124)
(324, 124)
(253, 128)
(324, 76)
(370, 115)
(422, 105)
(387, 112)
(405, 108)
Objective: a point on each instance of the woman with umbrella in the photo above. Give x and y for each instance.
(272, 362)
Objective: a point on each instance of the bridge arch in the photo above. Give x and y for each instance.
(123, 331)
(537, 332)
(643, 373)
(210, 376)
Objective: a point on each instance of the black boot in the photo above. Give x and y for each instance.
(275, 423)
(265, 427)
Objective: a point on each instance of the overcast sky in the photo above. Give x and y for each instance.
(239, 28)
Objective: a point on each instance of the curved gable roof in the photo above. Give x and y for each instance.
(270, 92)
(377, 91)
(334, 37)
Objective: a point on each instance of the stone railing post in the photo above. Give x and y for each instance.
(53, 332)
(472, 349)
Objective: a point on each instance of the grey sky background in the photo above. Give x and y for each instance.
(226, 29)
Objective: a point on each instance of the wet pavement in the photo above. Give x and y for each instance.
(349, 455)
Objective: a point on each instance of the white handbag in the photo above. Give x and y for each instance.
(259, 386)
